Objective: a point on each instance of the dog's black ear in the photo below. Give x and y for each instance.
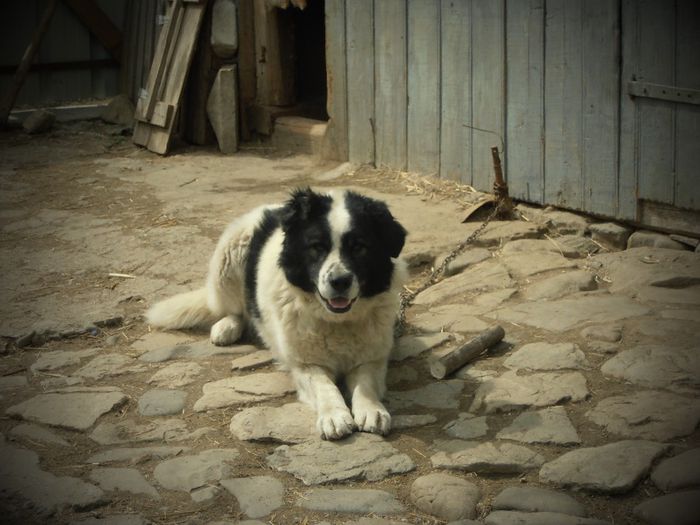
(391, 232)
(298, 208)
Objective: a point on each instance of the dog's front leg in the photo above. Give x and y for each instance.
(366, 384)
(316, 387)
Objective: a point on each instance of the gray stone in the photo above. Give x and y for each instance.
(222, 109)
(442, 395)
(39, 121)
(224, 28)
(120, 110)
(77, 410)
(403, 421)
(445, 496)
(503, 517)
(680, 508)
(21, 475)
(511, 391)
(561, 285)
(58, 381)
(191, 472)
(564, 314)
(257, 496)
(565, 222)
(364, 501)
(485, 458)
(60, 359)
(451, 318)
(244, 389)
(134, 455)
(464, 260)
(176, 375)
(203, 349)
(547, 356)
(407, 373)
(654, 415)
(498, 233)
(414, 345)
(657, 366)
(289, 423)
(614, 468)
(467, 426)
(204, 493)
(158, 341)
(527, 246)
(124, 479)
(550, 426)
(535, 499)
(652, 239)
(610, 333)
(473, 374)
(679, 472)
(525, 265)
(610, 234)
(37, 433)
(359, 456)
(576, 246)
(159, 402)
(12, 382)
(254, 360)
(109, 365)
(115, 519)
(130, 432)
(485, 302)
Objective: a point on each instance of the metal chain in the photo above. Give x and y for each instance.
(407, 296)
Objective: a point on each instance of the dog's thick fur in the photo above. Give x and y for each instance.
(319, 279)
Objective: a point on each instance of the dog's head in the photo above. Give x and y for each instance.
(339, 246)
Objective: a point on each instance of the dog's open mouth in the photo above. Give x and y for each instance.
(338, 305)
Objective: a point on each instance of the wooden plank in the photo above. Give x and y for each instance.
(456, 91)
(390, 83)
(360, 80)
(524, 154)
(99, 24)
(423, 128)
(628, 174)
(246, 65)
(488, 70)
(273, 42)
(563, 96)
(687, 191)
(600, 103)
(335, 143)
(656, 117)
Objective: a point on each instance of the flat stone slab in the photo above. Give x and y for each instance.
(109, 365)
(254, 360)
(38, 433)
(162, 402)
(114, 519)
(679, 472)
(364, 501)
(289, 423)
(467, 426)
(657, 366)
(12, 382)
(523, 265)
(511, 391)
(505, 517)
(450, 318)
(69, 408)
(614, 468)
(404, 421)
(572, 312)
(359, 456)
(47, 493)
(176, 375)
(123, 479)
(58, 359)
(257, 496)
(445, 496)
(244, 389)
(680, 508)
(547, 356)
(549, 426)
(463, 260)
(535, 499)
(134, 455)
(412, 346)
(129, 431)
(441, 395)
(196, 350)
(191, 472)
(561, 285)
(653, 415)
(485, 458)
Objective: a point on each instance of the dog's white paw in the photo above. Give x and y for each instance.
(375, 419)
(335, 424)
(226, 331)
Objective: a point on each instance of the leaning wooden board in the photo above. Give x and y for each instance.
(157, 106)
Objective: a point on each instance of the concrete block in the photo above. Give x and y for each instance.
(222, 109)
(224, 28)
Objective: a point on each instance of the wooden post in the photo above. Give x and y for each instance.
(459, 357)
(18, 81)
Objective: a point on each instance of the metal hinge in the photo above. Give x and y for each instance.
(663, 92)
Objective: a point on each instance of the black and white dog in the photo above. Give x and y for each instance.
(319, 277)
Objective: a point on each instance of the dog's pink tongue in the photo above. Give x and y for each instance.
(339, 302)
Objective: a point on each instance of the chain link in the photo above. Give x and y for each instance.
(407, 296)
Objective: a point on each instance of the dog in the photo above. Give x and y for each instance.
(318, 277)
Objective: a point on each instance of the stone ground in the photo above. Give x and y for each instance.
(587, 413)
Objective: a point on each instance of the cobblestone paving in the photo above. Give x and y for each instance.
(586, 413)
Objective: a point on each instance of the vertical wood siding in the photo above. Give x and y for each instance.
(449, 78)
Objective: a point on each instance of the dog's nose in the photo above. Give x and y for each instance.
(340, 282)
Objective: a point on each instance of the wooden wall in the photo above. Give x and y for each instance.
(430, 85)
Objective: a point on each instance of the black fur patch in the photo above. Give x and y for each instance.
(271, 220)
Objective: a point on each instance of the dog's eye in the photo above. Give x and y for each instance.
(359, 248)
(316, 249)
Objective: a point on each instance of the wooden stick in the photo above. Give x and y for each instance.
(468, 352)
(18, 81)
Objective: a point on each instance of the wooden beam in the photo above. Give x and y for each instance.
(99, 24)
